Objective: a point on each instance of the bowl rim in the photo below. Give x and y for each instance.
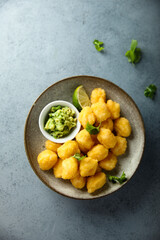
(42, 115)
(28, 116)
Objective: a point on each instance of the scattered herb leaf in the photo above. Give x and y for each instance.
(115, 179)
(150, 91)
(134, 54)
(98, 45)
(78, 156)
(92, 129)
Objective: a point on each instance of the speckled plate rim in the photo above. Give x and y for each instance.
(67, 79)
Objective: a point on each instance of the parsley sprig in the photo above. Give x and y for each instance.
(134, 54)
(115, 179)
(98, 45)
(78, 156)
(92, 129)
(150, 91)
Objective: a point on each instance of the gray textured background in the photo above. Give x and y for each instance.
(41, 42)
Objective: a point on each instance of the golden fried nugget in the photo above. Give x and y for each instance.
(107, 124)
(122, 127)
(96, 182)
(109, 163)
(84, 140)
(101, 111)
(86, 116)
(107, 138)
(98, 93)
(98, 152)
(47, 159)
(68, 149)
(57, 169)
(69, 168)
(88, 166)
(120, 146)
(52, 146)
(114, 109)
(78, 182)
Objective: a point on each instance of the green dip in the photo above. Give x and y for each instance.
(60, 121)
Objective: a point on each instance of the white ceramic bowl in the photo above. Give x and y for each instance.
(42, 119)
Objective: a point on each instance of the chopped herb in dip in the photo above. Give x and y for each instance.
(60, 121)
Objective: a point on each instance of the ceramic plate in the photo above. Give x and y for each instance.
(63, 90)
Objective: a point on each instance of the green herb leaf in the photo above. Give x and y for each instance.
(92, 129)
(78, 156)
(150, 91)
(98, 45)
(115, 179)
(134, 44)
(134, 54)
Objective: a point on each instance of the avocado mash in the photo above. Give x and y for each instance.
(60, 121)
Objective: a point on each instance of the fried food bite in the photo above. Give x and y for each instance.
(68, 149)
(47, 159)
(114, 109)
(101, 111)
(107, 124)
(69, 168)
(88, 166)
(97, 94)
(120, 147)
(86, 116)
(122, 127)
(57, 169)
(107, 138)
(84, 140)
(109, 163)
(96, 182)
(98, 152)
(52, 146)
(78, 182)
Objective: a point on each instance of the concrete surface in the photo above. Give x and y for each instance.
(41, 42)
